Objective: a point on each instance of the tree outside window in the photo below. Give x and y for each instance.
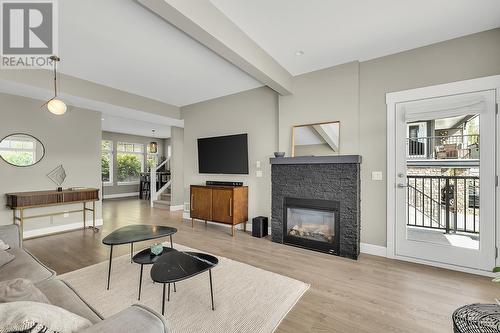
(130, 162)
(107, 162)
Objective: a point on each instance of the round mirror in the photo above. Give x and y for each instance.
(21, 150)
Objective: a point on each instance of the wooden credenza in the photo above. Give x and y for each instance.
(21, 201)
(222, 204)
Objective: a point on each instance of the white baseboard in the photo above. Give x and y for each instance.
(59, 228)
(120, 195)
(176, 208)
(375, 250)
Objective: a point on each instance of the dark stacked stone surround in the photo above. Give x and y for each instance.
(329, 181)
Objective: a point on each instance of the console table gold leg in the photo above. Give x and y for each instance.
(93, 216)
(21, 225)
(84, 215)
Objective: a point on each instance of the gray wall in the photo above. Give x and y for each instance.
(354, 94)
(328, 95)
(463, 58)
(177, 163)
(73, 140)
(120, 137)
(254, 112)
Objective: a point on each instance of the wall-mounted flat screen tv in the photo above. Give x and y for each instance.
(223, 154)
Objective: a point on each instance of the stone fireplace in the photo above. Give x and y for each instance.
(315, 203)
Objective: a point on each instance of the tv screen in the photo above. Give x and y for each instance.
(223, 154)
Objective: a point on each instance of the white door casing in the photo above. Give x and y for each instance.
(399, 105)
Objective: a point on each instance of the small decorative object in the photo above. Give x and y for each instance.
(279, 154)
(55, 105)
(153, 145)
(58, 175)
(156, 249)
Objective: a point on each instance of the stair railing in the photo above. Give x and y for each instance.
(155, 193)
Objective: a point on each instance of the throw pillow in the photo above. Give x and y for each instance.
(21, 290)
(4, 246)
(5, 257)
(15, 315)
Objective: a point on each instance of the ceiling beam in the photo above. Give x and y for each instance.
(202, 21)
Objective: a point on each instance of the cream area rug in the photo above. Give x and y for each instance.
(247, 299)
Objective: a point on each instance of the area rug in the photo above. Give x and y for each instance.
(247, 299)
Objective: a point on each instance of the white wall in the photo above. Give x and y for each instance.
(254, 112)
(72, 140)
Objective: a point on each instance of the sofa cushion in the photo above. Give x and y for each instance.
(5, 257)
(24, 266)
(55, 319)
(20, 290)
(60, 294)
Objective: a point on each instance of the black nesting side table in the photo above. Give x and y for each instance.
(132, 234)
(145, 257)
(175, 266)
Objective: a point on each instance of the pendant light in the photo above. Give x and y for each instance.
(55, 105)
(153, 145)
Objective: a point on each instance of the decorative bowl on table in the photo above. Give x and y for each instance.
(156, 249)
(279, 154)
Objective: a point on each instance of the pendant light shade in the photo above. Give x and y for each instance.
(153, 145)
(55, 105)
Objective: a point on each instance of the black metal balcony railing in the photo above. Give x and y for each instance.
(449, 203)
(443, 147)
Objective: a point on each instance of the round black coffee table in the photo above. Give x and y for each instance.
(175, 266)
(145, 257)
(132, 234)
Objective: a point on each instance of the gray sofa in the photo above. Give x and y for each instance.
(136, 318)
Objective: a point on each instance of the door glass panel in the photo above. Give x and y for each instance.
(442, 197)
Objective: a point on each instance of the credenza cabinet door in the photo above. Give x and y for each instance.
(223, 206)
(201, 203)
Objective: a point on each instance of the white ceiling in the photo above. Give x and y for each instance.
(135, 127)
(331, 32)
(119, 43)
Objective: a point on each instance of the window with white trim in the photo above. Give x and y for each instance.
(130, 162)
(107, 162)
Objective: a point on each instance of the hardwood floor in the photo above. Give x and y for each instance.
(372, 294)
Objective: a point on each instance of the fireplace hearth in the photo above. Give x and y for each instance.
(316, 203)
(312, 224)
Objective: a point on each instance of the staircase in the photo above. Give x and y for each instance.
(163, 201)
(160, 198)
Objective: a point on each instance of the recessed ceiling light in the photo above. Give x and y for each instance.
(299, 53)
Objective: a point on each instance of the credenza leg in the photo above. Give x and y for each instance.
(192, 223)
(232, 230)
(244, 226)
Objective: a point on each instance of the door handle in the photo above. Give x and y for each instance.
(402, 185)
(192, 202)
(230, 207)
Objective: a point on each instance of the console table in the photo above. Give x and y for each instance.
(21, 201)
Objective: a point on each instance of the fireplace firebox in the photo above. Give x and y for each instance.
(312, 223)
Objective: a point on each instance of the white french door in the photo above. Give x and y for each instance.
(445, 179)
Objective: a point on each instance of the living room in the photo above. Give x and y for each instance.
(308, 178)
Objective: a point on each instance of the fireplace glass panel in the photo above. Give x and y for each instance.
(312, 224)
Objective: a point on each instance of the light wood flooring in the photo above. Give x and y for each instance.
(373, 294)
